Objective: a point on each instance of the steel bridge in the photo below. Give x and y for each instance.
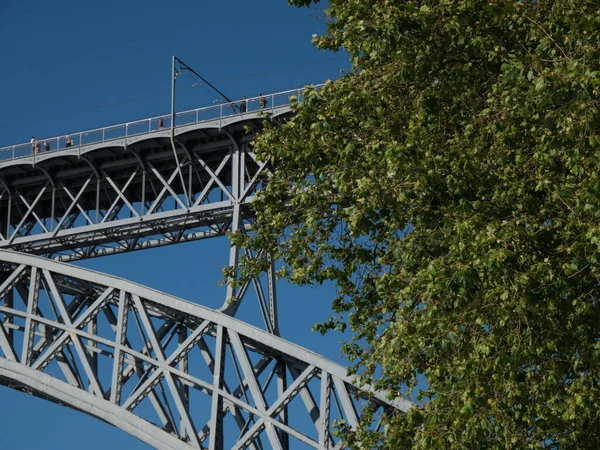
(174, 374)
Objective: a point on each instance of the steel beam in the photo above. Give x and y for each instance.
(81, 296)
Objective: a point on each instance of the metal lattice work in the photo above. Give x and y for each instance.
(171, 373)
(137, 193)
(132, 193)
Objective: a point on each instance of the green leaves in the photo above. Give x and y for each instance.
(449, 187)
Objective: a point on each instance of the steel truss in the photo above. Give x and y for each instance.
(172, 373)
(132, 193)
(101, 200)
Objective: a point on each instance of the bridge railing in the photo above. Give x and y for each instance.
(151, 125)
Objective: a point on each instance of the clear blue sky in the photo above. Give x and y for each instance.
(62, 58)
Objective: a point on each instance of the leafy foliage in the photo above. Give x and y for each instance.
(450, 187)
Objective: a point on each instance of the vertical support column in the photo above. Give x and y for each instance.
(143, 206)
(238, 173)
(235, 171)
(283, 415)
(272, 297)
(179, 171)
(173, 77)
(32, 302)
(93, 330)
(117, 373)
(8, 216)
(242, 185)
(216, 415)
(324, 410)
(183, 367)
(190, 180)
(235, 223)
(97, 200)
(52, 207)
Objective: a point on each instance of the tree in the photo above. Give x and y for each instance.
(450, 187)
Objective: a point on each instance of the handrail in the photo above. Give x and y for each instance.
(153, 124)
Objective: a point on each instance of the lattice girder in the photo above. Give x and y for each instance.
(172, 373)
(130, 194)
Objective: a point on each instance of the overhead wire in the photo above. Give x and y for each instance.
(157, 94)
(197, 83)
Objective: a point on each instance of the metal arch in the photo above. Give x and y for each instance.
(154, 365)
(187, 152)
(235, 144)
(136, 155)
(91, 164)
(24, 378)
(45, 172)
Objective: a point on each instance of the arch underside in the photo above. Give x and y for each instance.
(172, 373)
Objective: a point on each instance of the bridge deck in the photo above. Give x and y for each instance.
(119, 159)
(132, 190)
(212, 116)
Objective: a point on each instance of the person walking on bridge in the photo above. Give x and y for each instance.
(263, 101)
(32, 145)
(46, 146)
(243, 105)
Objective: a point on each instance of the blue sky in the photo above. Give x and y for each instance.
(68, 66)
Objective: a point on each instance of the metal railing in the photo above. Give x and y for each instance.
(152, 125)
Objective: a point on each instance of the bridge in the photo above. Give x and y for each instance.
(172, 373)
(124, 187)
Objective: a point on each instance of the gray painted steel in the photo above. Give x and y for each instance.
(135, 186)
(172, 373)
(141, 191)
(130, 194)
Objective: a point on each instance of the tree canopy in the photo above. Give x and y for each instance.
(449, 185)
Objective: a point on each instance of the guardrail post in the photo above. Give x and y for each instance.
(197, 115)
(103, 130)
(13, 152)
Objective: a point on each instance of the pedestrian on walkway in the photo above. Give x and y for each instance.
(243, 105)
(32, 145)
(68, 140)
(263, 101)
(161, 124)
(46, 146)
(37, 146)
